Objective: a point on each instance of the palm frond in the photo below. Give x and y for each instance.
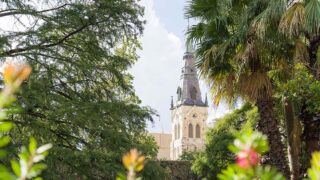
(223, 87)
(268, 18)
(218, 52)
(301, 54)
(207, 10)
(292, 22)
(250, 56)
(260, 24)
(276, 8)
(255, 84)
(312, 12)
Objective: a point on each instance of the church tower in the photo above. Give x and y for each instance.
(188, 113)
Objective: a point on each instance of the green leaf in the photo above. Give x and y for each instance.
(121, 176)
(3, 115)
(313, 16)
(15, 167)
(32, 145)
(5, 126)
(3, 153)
(4, 141)
(36, 170)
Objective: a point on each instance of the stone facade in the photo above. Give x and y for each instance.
(189, 113)
(163, 140)
(189, 126)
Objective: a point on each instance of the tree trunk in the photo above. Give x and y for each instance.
(294, 130)
(311, 121)
(311, 135)
(269, 126)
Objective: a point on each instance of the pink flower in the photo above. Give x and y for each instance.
(247, 158)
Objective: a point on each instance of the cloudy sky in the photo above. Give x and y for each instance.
(158, 70)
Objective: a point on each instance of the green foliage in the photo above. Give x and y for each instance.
(304, 88)
(153, 170)
(29, 165)
(263, 173)
(314, 171)
(188, 156)
(239, 44)
(80, 96)
(216, 156)
(249, 139)
(247, 166)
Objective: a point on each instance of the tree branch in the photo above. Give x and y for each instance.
(11, 12)
(42, 45)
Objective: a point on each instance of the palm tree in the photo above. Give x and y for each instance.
(299, 22)
(235, 62)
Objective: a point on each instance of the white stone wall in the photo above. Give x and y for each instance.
(182, 117)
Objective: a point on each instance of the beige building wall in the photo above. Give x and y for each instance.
(163, 140)
(184, 120)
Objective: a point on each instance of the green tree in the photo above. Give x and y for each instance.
(80, 95)
(188, 155)
(235, 62)
(298, 22)
(216, 156)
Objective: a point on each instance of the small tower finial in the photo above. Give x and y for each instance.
(171, 102)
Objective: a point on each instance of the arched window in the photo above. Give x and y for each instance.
(193, 93)
(197, 131)
(179, 131)
(190, 130)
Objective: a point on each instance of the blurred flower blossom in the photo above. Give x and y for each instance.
(247, 158)
(16, 73)
(133, 160)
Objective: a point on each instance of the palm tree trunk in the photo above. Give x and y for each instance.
(311, 135)
(269, 126)
(293, 127)
(311, 121)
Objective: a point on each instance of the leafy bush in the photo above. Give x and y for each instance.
(216, 157)
(248, 148)
(29, 165)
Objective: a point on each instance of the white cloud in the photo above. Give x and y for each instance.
(158, 70)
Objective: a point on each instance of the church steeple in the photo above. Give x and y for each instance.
(189, 90)
(189, 112)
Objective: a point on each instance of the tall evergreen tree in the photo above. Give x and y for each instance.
(80, 95)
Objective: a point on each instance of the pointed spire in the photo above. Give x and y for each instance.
(189, 48)
(171, 102)
(189, 92)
